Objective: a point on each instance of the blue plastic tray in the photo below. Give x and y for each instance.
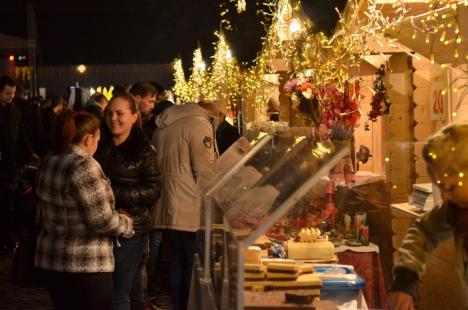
(349, 280)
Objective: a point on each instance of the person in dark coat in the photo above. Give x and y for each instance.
(49, 119)
(145, 96)
(96, 105)
(129, 161)
(226, 134)
(15, 151)
(32, 121)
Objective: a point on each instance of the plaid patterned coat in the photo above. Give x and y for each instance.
(78, 219)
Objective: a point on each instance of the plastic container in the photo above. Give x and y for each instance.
(336, 277)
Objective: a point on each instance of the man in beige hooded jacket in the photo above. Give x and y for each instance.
(186, 145)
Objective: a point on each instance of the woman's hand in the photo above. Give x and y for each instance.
(130, 233)
(398, 300)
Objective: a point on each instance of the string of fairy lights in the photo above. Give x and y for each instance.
(291, 37)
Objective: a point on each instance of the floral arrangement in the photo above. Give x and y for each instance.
(304, 97)
(380, 104)
(337, 110)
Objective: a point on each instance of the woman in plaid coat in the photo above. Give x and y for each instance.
(78, 219)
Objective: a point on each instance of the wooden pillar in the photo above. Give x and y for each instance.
(400, 128)
(285, 101)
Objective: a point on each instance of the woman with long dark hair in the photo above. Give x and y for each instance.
(130, 162)
(78, 220)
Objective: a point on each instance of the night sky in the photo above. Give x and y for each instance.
(142, 31)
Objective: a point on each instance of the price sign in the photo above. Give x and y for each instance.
(438, 101)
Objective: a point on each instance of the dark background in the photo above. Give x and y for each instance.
(143, 31)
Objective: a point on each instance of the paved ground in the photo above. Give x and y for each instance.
(16, 298)
(13, 297)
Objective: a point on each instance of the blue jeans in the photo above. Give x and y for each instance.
(155, 237)
(127, 258)
(183, 248)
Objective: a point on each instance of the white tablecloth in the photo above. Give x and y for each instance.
(363, 249)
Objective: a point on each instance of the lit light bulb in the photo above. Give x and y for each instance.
(456, 55)
(442, 36)
(432, 59)
(81, 69)
(294, 26)
(414, 35)
(458, 40)
(427, 38)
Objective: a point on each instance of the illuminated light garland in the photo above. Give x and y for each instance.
(292, 40)
(180, 85)
(198, 78)
(224, 82)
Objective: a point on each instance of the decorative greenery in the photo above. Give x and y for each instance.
(181, 88)
(198, 78)
(380, 104)
(361, 29)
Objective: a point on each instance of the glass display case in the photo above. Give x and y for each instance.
(258, 180)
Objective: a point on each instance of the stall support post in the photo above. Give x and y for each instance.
(206, 268)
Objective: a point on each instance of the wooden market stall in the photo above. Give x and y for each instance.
(408, 80)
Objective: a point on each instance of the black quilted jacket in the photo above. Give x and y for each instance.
(134, 174)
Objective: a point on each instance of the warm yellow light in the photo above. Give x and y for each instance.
(454, 114)
(461, 174)
(458, 40)
(442, 36)
(202, 66)
(228, 54)
(387, 159)
(294, 26)
(81, 69)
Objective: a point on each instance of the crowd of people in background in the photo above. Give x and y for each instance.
(108, 180)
